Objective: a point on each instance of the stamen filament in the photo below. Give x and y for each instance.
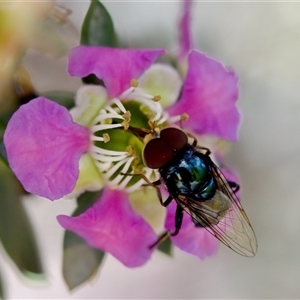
(119, 177)
(103, 166)
(120, 105)
(174, 119)
(163, 119)
(110, 109)
(96, 128)
(107, 152)
(139, 183)
(114, 169)
(125, 181)
(126, 94)
(97, 138)
(102, 117)
(108, 158)
(113, 164)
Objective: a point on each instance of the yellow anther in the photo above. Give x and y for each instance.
(184, 117)
(127, 118)
(156, 98)
(151, 124)
(130, 151)
(134, 83)
(106, 138)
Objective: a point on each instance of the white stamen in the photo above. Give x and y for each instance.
(102, 117)
(105, 127)
(97, 138)
(125, 95)
(114, 164)
(107, 152)
(139, 183)
(120, 105)
(120, 176)
(110, 109)
(124, 182)
(108, 158)
(174, 119)
(109, 173)
(163, 119)
(103, 166)
(139, 95)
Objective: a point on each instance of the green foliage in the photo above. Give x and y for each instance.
(63, 98)
(97, 30)
(80, 261)
(16, 232)
(166, 247)
(2, 291)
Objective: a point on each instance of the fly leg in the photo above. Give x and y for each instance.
(234, 186)
(179, 209)
(207, 151)
(178, 223)
(178, 220)
(194, 143)
(149, 182)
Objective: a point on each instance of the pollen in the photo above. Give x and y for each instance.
(130, 150)
(156, 98)
(126, 116)
(106, 138)
(134, 83)
(184, 117)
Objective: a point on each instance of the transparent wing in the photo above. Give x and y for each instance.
(223, 216)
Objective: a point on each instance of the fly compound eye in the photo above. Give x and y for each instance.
(157, 153)
(174, 137)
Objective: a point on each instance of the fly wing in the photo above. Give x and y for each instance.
(223, 216)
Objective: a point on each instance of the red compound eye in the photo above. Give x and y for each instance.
(157, 153)
(174, 137)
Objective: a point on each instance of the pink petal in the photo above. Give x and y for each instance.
(112, 225)
(184, 29)
(116, 67)
(209, 97)
(43, 147)
(195, 240)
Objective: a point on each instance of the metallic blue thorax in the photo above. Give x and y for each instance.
(189, 173)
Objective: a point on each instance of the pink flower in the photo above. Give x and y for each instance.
(42, 141)
(113, 226)
(55, 153)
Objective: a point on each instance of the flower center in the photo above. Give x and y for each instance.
(117, 152)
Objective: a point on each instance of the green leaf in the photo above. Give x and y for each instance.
(97, 30)
(80, 261)
(85, 201)
(63, 98)
(16, 233)
(98, 27)
(3, 156)
(2, 291)
(166, 247)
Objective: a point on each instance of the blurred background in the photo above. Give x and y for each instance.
(261, 42)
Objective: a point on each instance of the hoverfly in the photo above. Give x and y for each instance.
(200, 189)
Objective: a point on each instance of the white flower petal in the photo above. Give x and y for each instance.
(162, 80)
